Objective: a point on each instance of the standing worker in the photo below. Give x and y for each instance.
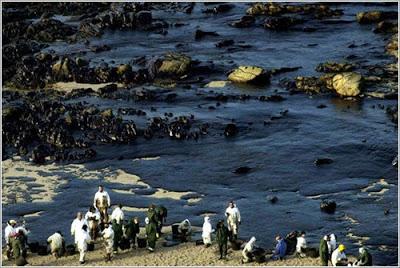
(233, 220)
(9, 231)
(151, 233)
(207, 230)
(132, 229)
(102, 202)
(83, 240)
(117, 228)
(76, 226)
(108, 236)
(324, 251)
(162, 214)
(222, 239)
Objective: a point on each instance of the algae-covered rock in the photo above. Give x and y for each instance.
(176, 64)
(347, 84)
(250, 74)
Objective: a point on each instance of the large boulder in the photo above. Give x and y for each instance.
(175, 64)
(347, 84)
(375, 16)
(250, 74)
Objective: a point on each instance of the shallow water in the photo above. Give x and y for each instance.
(360, 139)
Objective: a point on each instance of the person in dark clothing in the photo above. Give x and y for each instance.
(117, 228)
(152, 215)
(324, 251)
(132, 230)
(162, 214)
(222, 239)
(151, 232)
(365, 258)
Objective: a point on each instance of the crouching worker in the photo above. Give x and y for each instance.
(364, 259)
(247, 252)
(57, 244)
(185, 230)
(207, 230)
(280, 249)
(339, 257)
(9, 232)
(151, 232)
(108, 236)
(222, 239)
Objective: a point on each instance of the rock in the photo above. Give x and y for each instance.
(392, 46)
(323, 161)
(80, 62)
(39, 154)
(144, 17)
(284, 70)
(175, 64)
(100, 48)
(123, 69)
(107, 113)
(231, 130)
(225, 43)
(272, 9)
(222, 8)
(273, 199)
(386, 27)
(242, 170)
(273, 98)
(250, 74)
(321, 106)
(328, 207)
(49, 30)
(392, 112)
(375, 16)
(281, 23)
(244, 22)
(63, 70)
(310, 85)
(217, 84)
(89, 29)
(333, 67)
(347, 84)
(201, 34)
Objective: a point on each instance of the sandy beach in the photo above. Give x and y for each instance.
(186, 254)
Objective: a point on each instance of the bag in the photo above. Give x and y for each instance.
(142, 242)
(311, 252)
(175, 232)
(259, 255)
(236, 244)
(199, 242)
(90, 246)
(70, 250)
(33, 247)
(42, 250)
(124, 243)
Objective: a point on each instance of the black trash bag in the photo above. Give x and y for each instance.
(43, 250)
(90, 246)
(311, 252)
(142, 242)
(33, 247)
(70, 250)
(124, 243)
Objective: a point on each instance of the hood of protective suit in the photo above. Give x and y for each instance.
(206, 219)
(361, 250)
(147, 221)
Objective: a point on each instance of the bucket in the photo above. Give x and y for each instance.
(90, 247)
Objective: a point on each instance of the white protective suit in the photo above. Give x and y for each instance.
(108, 236)
(332, 243)
(56, 241)
(233, 219)
(301, 243)
(337, 256)
(76, 227)
(207, 230)
(100, 196)
(248, 249)
(83, 239)
(117, 215)
(9, 231)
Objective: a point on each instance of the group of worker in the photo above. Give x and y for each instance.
(85, 229)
